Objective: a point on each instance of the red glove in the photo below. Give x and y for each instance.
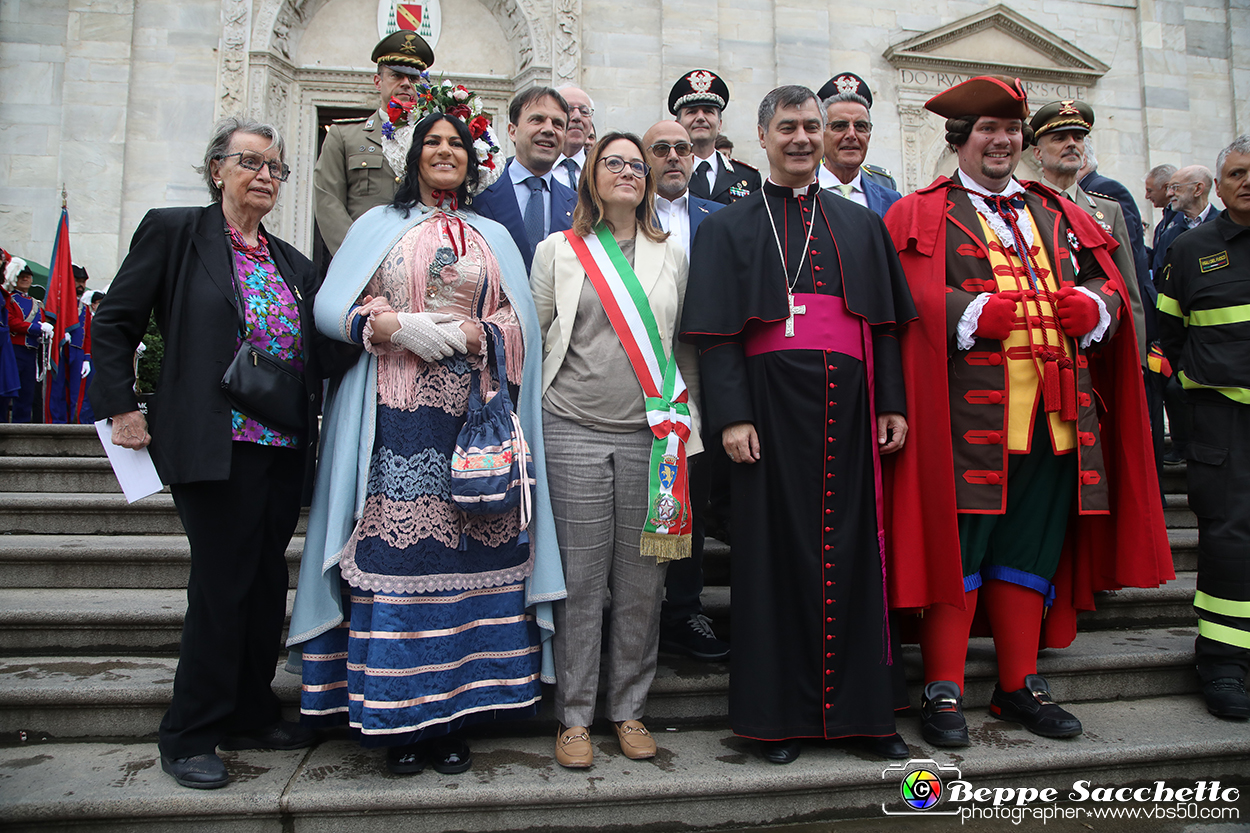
(1077, 312)
(997, 316)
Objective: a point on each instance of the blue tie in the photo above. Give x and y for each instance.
(534, 225)
(574, 172)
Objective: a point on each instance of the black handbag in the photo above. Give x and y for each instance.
(262, 386)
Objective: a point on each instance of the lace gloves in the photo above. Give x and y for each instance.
(430, 335)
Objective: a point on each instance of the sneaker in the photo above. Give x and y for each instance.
(1033, 708)
(695, 638)
(1226, 697)
(942, 720)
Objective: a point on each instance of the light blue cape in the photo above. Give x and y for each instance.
(349, 422)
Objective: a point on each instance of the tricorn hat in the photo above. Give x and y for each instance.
(404, 51)
(845, 82)
(1068, 114)
(985, 95)
(700, 86)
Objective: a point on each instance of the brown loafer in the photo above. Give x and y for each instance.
(573, 749)
(636, 741)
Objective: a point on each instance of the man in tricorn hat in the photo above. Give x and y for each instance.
(1016, 490)
(362, 160)
(847, 102)
(697, 100)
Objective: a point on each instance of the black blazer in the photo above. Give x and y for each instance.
(179, 267)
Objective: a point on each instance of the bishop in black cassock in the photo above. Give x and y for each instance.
(811, 655)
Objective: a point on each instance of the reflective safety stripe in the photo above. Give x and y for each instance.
(1224, 607)
(1241, 395)
(1169, 305)
(1223, 633)
(1220, 315)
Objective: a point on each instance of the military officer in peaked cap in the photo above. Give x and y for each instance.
(697, 100)
(837, 87)
(361, 161)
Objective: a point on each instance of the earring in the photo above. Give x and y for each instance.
(218, 183)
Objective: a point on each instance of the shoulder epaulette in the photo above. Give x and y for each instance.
(360, 120)
(877, 169)
(745, 165)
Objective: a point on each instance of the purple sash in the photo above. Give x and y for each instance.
(826, 325)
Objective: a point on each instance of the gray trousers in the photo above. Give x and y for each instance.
(598, 484)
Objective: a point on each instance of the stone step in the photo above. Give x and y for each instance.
(1136, 607)
(49, 441)
(1177, 514)
(124, 695)
(105, 561)
(702, 779)
(92, 621)
(86, 513)
(57, 474)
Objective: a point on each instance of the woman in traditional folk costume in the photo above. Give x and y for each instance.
(413, 619)
(619, 423)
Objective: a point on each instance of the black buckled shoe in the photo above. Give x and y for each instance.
(450, 755)
(1033, 708)
(1226, 697)
(781, 751)
(199, 772)
(406, 760)
(281, 735)
(942, 720)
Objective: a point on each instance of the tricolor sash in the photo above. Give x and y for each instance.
(666, 533)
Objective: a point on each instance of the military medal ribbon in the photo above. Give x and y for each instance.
(666, 532)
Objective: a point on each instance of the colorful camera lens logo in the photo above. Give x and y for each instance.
(921, 789)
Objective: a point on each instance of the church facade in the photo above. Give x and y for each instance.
(115, 98)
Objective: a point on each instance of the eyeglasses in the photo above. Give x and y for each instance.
(841, 125)
(616, 164)
(1176, 186)
(250, 161)
(583, 109)
(660, 150)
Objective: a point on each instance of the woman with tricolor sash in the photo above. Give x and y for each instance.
(619, 425)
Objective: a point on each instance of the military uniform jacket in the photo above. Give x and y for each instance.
(1203, 303)
(351, 176)
(734, 180)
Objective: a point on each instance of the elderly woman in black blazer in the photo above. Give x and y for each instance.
(236, 479)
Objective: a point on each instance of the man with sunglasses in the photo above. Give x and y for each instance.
(356, 169)
(697, 101)
(683, 627)
(846, 101)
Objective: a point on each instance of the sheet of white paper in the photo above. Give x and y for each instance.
(134, 469)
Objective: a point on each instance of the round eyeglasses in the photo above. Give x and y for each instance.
(616, 164)
(250, 161)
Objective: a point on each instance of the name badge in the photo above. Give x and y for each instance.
(1212, 262)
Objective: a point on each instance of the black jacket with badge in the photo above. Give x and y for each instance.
(180, 268)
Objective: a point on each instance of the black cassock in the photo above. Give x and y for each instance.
(810, 657)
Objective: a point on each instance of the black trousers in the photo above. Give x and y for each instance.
(1219, 494)
(683, 586)
(239, 530)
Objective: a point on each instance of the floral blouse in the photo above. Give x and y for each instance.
(272, 316)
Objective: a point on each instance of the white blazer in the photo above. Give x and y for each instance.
(556, 280)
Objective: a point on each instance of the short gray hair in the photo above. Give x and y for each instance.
(560, 89)
(851, 97)
(791, 95)
(1091, 161)
(219, 145)
(1240, 145)
(1161, 173)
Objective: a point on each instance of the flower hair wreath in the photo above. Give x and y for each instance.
(454, 100)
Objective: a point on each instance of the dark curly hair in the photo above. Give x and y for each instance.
(408, 195)
(959, 129)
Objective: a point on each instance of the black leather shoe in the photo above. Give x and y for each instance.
(406, 760)
(450, 756)
(781, 751)
(1033, 708)
(199, 772)
(942, 715)
(892, 747)
(695, 638)
(281, 735)
(1226, 697)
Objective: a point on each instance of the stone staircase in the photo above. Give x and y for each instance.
(91, 604)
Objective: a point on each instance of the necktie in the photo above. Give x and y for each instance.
(698, 183)
(534, 224)
(574, 172)
(846, 189)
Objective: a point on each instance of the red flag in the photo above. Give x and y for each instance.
(61, 304)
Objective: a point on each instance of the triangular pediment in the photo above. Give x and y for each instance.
(997, 41)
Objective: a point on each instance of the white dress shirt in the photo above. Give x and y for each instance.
(830, 182)
(714, 161)
(674, 218)
(562, 172)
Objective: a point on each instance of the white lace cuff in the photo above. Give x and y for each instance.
(1104, 320)
(966, 330)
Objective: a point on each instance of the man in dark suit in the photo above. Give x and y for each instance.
(683, 627)
(848, 128)
(527, 200)
(1156, 183)
(697, 101)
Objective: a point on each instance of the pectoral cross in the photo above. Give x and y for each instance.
(799, 310)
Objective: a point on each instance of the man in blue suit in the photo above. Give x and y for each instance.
(683, 627)
(527, 200)
(848, 129)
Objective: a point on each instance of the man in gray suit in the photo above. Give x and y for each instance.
(357, 168)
